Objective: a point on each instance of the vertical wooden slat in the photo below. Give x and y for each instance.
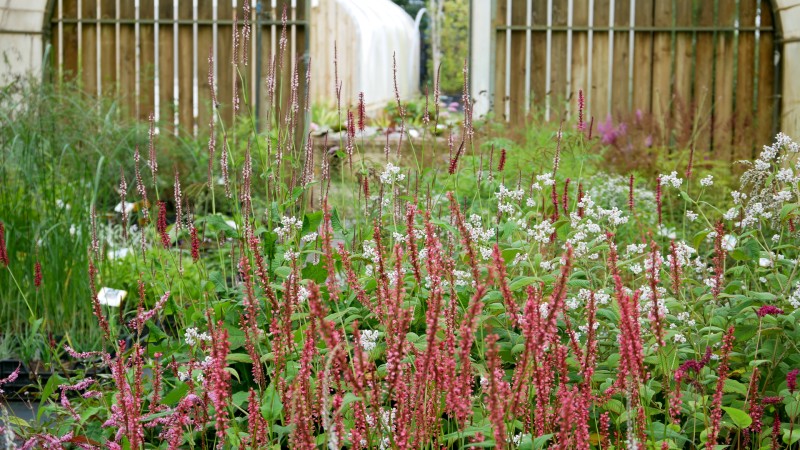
(60, 36)
(300, 46)
(600, 64)
(108, 49)
(176, 72)
(88, 47)
(661, 92)
(643, 67)
(98, 49)
(187, 69)
(682, 107)
(745, 77)
(79, 15)
(117, 48)
(528, 23)
(539, 55)
(702, 92)
(146, 97)
(610, 79)
(570, 35)
(224, 66)
(293, 36)
(127, 55)
(166, 73)
(559, 56)
(766, 81)
(723, 83)
(196, 64)
(516, 63)
(631, 50)
(205, 47)
(501, 39)
(548, 58)
(620, 63)
(253, 57)
(580, 51)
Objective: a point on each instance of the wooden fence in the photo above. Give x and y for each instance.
(153, 54)
(713, 63)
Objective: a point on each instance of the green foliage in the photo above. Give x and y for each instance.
(455, 37)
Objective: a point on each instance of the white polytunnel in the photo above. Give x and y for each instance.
(367, 34)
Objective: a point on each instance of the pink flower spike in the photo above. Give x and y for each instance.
(791, 380)
(768, 310)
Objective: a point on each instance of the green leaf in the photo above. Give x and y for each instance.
(217, 223)
(749, 251)
(315, 272)
(788, 209)
(218, 281)
(283, 271)
(795, 436)
(540, 441)
(311, 221)
(239, 358)
(336, 222)
(793, 409)
(239, 398)
(484, 444)
(520, 283)
(175, 395)
(348, 398)
(733, 386)
(740, 418)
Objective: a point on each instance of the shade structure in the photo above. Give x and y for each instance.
(367, 35)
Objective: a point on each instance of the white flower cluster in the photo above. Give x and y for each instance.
(685, 318)
(684, 253)
(303, 294)
(583, 297)
(310, 237)
(671, 180)
(707, 181)
(635, 249)
(794, 299)
(369, 339)
(392, 174)
(753, 213)
(541, 231)
(476, 231)
(614, 215)
(587, 229)
(192, 337)
(288, 226)
(462, 278)
(546, 179)
(666, 232)
(505, 198)
(370, 251)
(770, 184)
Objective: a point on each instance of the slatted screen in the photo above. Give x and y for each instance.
(153, 54)
(714, 61)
